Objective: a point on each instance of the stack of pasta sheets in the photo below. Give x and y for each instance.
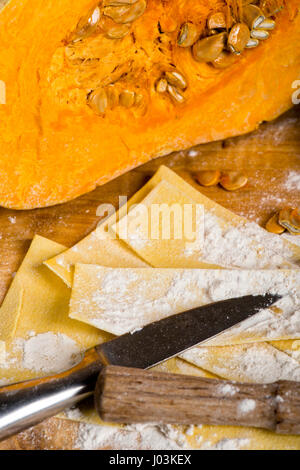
(127, 273)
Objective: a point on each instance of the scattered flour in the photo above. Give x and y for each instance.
(246, 406)
(291, 238)
(60, 261)
(231, 444)
(147, 437)
(247, 246)
(193, 153)
(50, 353)
(136, 239)
(252, 363)
(12, 220)
(140, 436)
(190, 430)
(227, 390)
(293, 181)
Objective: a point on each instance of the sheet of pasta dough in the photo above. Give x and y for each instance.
(10, 310)
(222, 239)
(99, 247)
(251, 363)
(89, 250)
(2, 352)
(290, 347)
(123, 300)
(167, 222)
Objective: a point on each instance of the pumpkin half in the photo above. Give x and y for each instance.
(95, 88)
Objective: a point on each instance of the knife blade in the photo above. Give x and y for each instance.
(166, 338)
(25, 404)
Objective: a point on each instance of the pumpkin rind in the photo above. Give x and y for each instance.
(54, 147)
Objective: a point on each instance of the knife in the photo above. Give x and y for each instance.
(26, 404)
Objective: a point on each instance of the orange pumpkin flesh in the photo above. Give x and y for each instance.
(54, 147)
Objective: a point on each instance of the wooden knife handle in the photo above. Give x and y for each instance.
(136, 396)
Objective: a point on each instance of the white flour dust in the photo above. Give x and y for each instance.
(252, 363)
(148, 437)
(227, 390)
(50, 353)
(247, 246)
(246, 406)
(292, 182)
(133, 437)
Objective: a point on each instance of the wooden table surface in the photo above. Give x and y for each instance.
(267, 156)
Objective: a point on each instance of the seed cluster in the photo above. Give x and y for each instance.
(103, 98)
(122, 13)
(224, 36)
(173, 83)
(231, 180)
(286, 219)
(112, 17)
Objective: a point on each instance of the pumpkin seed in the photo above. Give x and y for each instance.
(112, 96)
(295, 219)
(176, 79)
(216, 21)
(238, 38)
(162, 85)
(284, 214)
(208, 178)
(209, 48)
(125, 13)
(88, 24)
(273, 226)
(224, 60)
(253, 16)
(117, 31)
(289, 218)
(267, 25)
(259, 34)
(117, 12)
(188, 35)
(176, 94)
(127, 98)
(97, 100)
(252, 43)
(232, 181)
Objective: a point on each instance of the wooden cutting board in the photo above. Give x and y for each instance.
(267, 156)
